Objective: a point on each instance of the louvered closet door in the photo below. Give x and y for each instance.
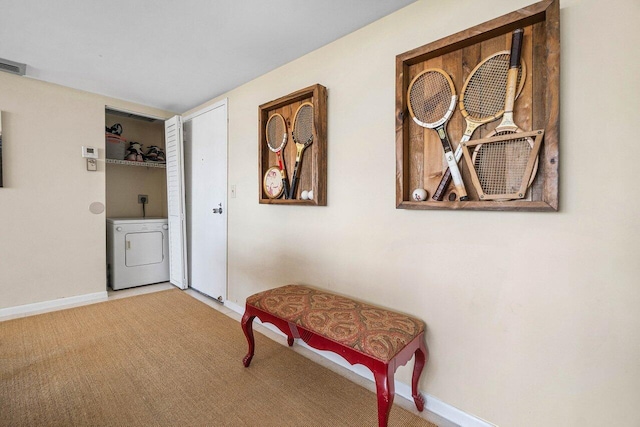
(175, 203)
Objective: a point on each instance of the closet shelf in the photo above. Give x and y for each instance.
(130, 163)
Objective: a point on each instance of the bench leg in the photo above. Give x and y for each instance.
(385, 389)
(247, 327)
(420, 360)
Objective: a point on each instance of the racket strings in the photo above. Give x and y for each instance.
(485, 91)
(303, 125)
(276, 132)
(430, 97)
(501, 166)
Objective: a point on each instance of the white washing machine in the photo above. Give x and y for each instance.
(137, 251)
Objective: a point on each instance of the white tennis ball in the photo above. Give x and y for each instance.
(304, 195)
(310, 194)
(419, 194)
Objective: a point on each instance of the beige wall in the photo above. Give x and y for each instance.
(533, 317)
(51, 246)
(537, 324)
(125, 183)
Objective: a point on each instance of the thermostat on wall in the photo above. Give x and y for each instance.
(89, 152)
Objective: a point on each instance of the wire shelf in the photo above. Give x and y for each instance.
(130, 163)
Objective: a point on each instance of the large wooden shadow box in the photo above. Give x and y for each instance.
(313, 172)
(419, 155)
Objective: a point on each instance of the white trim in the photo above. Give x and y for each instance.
(206, 109)
(52, 305)
(432, 404)
(233, 306)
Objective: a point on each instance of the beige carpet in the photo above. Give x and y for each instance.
(166, 359)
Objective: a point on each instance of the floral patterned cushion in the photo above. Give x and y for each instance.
(371, 330)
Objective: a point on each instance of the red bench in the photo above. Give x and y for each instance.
(380, 339)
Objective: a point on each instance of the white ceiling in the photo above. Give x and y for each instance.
(172, 55)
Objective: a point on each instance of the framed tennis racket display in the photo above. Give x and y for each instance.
(477, 61)
(292, 148)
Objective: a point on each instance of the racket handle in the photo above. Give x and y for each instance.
(285, 185)
(516, 47)
(294, 182)
(446, 178)
(457, 178)
(442, 187)
(283, 175)
(451, 160)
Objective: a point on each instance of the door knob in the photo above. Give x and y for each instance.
(218, 210)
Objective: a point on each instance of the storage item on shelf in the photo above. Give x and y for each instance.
(154, 154)
(134, 152)
(115, 146)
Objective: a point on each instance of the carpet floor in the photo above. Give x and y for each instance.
(163, 359)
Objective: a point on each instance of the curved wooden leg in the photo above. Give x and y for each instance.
(385, 389)
(421, 358)
(247, 327)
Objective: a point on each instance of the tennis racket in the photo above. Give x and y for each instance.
(502, 166)
(507, 124)
(272, 183)
(302, 134)
(276, 140)
(482, 101)
(432, 99)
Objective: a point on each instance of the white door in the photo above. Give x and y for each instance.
(205, 148)
(176, 203)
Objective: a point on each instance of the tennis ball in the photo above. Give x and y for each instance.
(419, 194)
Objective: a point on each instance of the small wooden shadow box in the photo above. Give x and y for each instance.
(313, 170)
(419, 153)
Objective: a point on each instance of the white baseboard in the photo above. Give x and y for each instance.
(432, 404)
(235, 307)
(56, 304)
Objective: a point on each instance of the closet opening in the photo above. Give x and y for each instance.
(136, 199)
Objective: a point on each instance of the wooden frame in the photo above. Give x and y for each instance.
(313, 174)
(419, 157)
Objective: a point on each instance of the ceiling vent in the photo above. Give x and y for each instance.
(13, 67)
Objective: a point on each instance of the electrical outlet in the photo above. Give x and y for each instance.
(143, 199)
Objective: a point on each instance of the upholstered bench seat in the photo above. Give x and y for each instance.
(378, 338)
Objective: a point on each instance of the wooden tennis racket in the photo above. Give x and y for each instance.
(432, 99)
(302, 134)
(507, 124)
(276, 140)
(272, 183)
(482, 101)
(504, 165)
